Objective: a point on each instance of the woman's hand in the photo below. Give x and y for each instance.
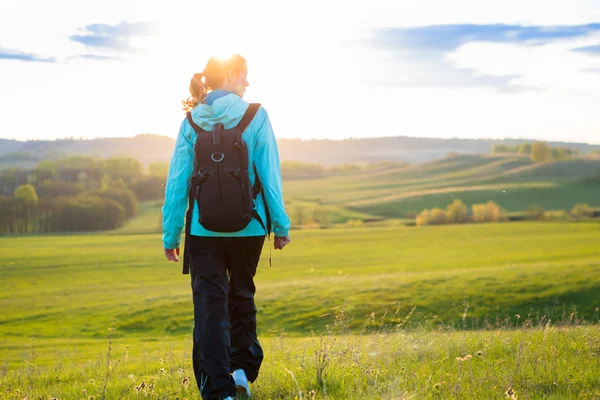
(281, 241)
(172, 254)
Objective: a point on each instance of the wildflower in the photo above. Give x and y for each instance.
(185, 382)
(163, 371)
(151, 387)
(479, 353)
(132, 377)
(140, 387)
(510, 394)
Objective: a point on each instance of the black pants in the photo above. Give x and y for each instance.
(222, 272)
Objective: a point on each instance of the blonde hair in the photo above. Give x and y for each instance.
(214, 74)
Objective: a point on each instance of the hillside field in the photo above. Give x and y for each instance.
(514, 182)
(444, 292)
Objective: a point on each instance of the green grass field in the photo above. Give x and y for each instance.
(383, 311)
(401, 303)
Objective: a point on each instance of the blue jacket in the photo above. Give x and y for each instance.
(227, 109)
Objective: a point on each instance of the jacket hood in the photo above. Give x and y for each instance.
(227, 110)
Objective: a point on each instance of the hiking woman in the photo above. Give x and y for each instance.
(232, 190)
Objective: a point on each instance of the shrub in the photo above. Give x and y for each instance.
(125, 197)
(148, 188)
(457, 212)
(489, 212)
(423, 218)
(535, 213)
(27, 193)
(540, 152)
(582, 210)
(556, 215)
(435, 216)
(438, 217)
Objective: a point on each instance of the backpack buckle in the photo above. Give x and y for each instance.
(216, 133)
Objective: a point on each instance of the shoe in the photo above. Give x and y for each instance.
(241, 382)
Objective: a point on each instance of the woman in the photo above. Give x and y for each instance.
(226, 352)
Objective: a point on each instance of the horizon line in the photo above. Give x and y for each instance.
(349, 138)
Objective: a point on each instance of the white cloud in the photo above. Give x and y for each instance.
(552, 66)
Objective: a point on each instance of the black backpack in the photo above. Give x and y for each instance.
(220, 181)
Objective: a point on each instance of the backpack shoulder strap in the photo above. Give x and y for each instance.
(195, 126)
(248, 115)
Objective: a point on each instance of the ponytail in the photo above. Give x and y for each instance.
(197, 91)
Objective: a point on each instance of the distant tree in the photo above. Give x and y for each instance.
(581, 211)
(90, 213)
(489, 212)
(124, 197)
(540, 152)
(148, 188)
(123, 168)
(423, 218)
(559, 154)
(26, 207)
(435, 216)
(457, 212)
(438, 216)
(499, 149)
(56, 188)
(525, 149)
(27, 193)
(560, 215)
(9, 210)
(535, 213)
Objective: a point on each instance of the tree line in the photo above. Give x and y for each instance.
(458, 213)
(76, 194)
(538, 151)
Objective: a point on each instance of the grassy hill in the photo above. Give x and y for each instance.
(513, 182)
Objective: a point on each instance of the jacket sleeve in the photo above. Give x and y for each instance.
(177, 189)
(266, 158)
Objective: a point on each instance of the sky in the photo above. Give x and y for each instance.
(322, 69)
